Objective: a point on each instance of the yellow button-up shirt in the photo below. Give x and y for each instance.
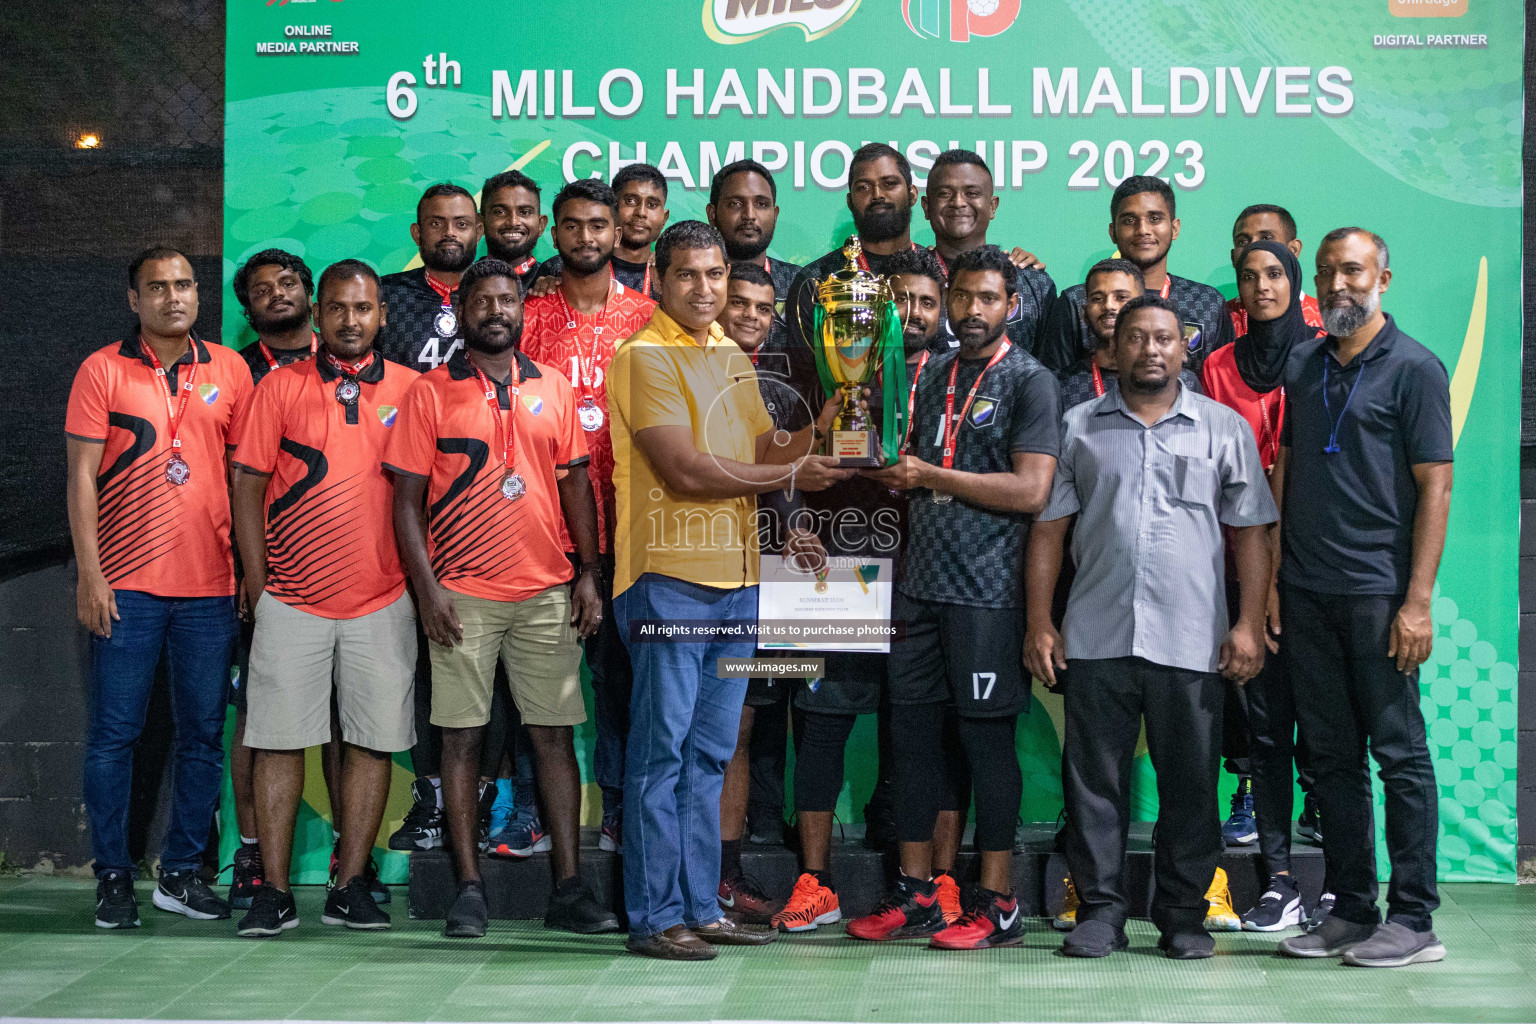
(660, 376)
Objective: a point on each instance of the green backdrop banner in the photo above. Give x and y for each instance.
(1400, 115)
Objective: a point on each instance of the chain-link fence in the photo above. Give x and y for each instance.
(113, 140)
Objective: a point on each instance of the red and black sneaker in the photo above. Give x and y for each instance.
(745, 902)
(248, 877)
(990, 919)
(909, 911)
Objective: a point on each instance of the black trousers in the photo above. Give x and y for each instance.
(767, 764)
(1269, 710)
(1105, 702)
(1350, 697)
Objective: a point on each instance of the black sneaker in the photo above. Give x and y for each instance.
(483, 819)
(578, 911)
(422, 828)
(376, 888)
(910, 910)
(1309, 825)
(182, 892)
(990, 919)
(1319, 913)
(468, 916)
(248, 877)
(1278, 908)
(115, 905)
(352, 905)
(272, 913)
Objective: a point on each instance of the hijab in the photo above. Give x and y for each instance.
(1262, 353)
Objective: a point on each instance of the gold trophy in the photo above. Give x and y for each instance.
(853, 333)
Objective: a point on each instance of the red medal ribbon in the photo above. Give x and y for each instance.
(523, 267)
(444, 292)
(586, 362)
(922, 361)
(175, 413)
(942, 265)
(509, 446)
(645, 285)
(1098, 378)
(272, 363)
(350, 369)
(952, 425)
(1167, 283)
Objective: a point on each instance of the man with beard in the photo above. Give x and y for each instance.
(493, 442)
(641, 191)
(513, 225)
(323, 580)
(861, 518)
(149, 422)
(1364, 475)
(1109, 286)
(1143, 225)
(273, 288)
(576, 328)
(423, 330)
(744, 208)
(1147, 629)
(977, 469)
(960, 203)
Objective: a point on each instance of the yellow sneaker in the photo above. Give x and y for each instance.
(1219, 915)
(1066, 918)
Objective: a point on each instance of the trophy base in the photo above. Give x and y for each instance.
(856, 449)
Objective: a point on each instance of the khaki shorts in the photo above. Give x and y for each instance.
(296, 656)
(537, 644)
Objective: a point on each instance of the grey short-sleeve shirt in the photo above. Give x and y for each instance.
(1151, 502)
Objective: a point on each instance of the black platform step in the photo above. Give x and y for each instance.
(519, 889)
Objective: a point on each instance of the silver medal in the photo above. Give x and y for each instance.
(177, 471)
(347, 392)
(446, 324)
(513, 486)
(590, 416)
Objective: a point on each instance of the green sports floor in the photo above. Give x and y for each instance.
(53, 963)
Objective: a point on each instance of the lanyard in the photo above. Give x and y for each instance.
(1098, 378)
(272, 363)
(350, 369)
(175, 413)
(645, 285)
(444, 292)
(942, 265)
(586, 361)
(1332, 446)
(1167, 283)
(509, 445)
(922, 361)
(523, 267)
(864, 263)
(951, 424)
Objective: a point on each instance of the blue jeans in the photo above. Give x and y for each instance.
(197, 635)
(683, 720)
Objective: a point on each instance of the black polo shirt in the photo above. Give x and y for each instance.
(1347, 524)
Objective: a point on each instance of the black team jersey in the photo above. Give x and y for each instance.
(419, 331)
(1037, 295)
(1207, 324)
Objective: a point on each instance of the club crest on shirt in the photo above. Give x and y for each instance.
(208, 392)
(982, 412)
(1191, 335)
(533, 403)
(387, 414)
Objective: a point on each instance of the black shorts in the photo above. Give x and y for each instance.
(763, 692)
(973, 656)
(854, 685)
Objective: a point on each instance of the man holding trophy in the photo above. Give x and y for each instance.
(978, 462)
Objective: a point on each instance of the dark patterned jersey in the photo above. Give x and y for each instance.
(1207, 324)
(1037, 294)
(958, 553)
(419, 331)
(260, 361)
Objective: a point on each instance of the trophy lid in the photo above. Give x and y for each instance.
(853, 283)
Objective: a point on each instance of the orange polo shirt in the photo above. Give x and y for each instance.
(480, 543)
(155, 536)
(329, 504)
